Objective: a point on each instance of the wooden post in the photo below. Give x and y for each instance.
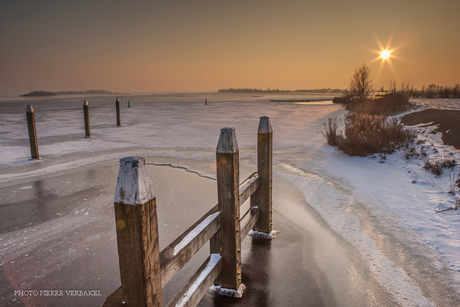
(86, 115)
(117, 103)
(227, 241)
(137, 234)
(32, 132)
(262, 198)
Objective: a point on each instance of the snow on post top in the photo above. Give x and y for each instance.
(264, 125)
(227, 141)
(134, 186)
(85, 102)
(29, 109)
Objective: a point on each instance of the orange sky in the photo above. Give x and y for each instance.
(161, 46)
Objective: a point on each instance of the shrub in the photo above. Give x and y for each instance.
(436, 167)
(387, 105)
(346, 99)
(369, 134)
(331, 133)
(433, 167)
(448, 163)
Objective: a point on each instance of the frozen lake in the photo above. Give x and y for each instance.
(342, 242)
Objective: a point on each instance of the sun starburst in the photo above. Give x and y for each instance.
(385, 54)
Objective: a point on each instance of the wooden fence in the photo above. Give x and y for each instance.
(144, 270)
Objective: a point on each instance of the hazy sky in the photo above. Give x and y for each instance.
(158, 46)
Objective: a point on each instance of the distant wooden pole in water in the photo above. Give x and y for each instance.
(86, 115)
(263, 196)
(228, 238)
(137, 234)
(32, 132)
(117, 103)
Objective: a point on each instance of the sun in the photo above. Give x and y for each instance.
(385, 54)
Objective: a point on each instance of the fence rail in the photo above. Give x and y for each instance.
(144, 271)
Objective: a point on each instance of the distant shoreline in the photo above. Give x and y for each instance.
(277, 91)
(91, 92)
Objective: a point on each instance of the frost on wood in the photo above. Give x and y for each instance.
(227, 141)
(265, 125)
(195, 232)
(134, 186)
(229, 292)
(193, 287)
(263, 235)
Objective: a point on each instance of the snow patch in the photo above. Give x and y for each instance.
(215, 258)
(263, 235)
(134, 186)
(229, 292)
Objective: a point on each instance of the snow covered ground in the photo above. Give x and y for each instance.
(386, 207)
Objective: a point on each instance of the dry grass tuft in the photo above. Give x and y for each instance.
(368, 134)
(437, 167)
(331, 131)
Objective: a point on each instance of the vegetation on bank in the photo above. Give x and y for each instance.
(430, 91)
(91, 92)
(278, 91)
(365, 134)
(367, 130)
(38, 94)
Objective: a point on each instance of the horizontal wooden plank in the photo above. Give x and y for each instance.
(178, 253)
(192, 292)
(248, 187)
(248, 221)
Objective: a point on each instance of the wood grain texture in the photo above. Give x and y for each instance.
(171, 264)
(117, 106)
(262, 198)
(33, 140)
(248, 187)
(86, 116)
(248, 221)
(227, 156)
(192, 292)
(137, 237)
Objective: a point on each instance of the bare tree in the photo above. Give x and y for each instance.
(393, 87)
(361, 84)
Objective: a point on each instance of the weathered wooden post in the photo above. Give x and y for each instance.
(137, 234)
(32, 132)
(263, 196)
(227, 241)
(117, 103)
(86, 115)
